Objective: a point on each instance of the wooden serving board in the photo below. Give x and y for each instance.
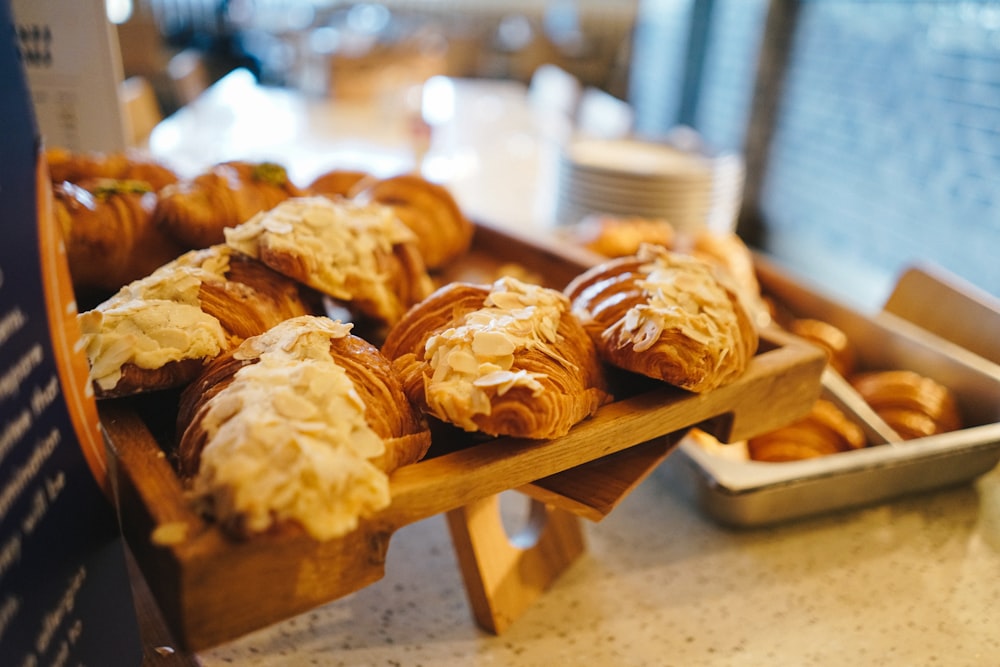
(212, 589)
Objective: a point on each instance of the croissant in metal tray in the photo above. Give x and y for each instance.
(359, 254)
(913, 405)
(108, 230)
(825, 430)
(301, 424)
(442, 231)
(666, 315)
(159, 331)
(502, 359)
(196, 211)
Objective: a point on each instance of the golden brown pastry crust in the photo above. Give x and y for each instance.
(915, 406)
(442, 230)
(620, 236)
(355, 253)
(196, 211)
(839, 351)
(244, 299)
(389, 413)
(571, 383)
(74, 167)
(825, 430)
(108, 230)
(697, 335)
(337, 183)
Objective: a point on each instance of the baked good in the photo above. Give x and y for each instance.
(839, 351)
(913, 405)
(129, 165)
(501, 359)
(159, 331)
(825, 430)
(665, 315)
(442, 230)
(196, 211)
(360, 254)
(108, 230)
(731, 255)
(301, 424)
(619, 236)
(337, 183)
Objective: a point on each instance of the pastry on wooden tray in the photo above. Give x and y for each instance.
(834, 342)
(301, 424)
(107, 227)
(502, 359)
(72, 166)
(337, 183)
(915, 406)
(443, 232)
(620, 236)
(196, 211)
(360, 254)
(666, 315)
(825, 430)
(159, 331)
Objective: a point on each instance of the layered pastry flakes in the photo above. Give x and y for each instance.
(502, 359)
(302, 425)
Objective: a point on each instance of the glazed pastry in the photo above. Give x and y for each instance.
(915, 406)
(359, 254)
(301, 424)
(109, 234)
(196, 211)
(507, 359)
(337, 183)
(667, 316)
(839, 351)
(159, 331)
(66, 165)
(825, 430)
(443, 233)
(733, 256)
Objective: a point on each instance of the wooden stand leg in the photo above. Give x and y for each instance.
(504, 575)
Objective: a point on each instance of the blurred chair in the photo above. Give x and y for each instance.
(188, 75)
(141, 109)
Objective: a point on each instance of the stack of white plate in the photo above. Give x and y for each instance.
(626, 177)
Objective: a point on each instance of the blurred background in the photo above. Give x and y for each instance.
(870, 131)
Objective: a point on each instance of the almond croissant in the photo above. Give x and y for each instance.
(667, 316)
(359, 254)
(301, 424)
(195, 212)
(74, 167)
(159, 331)
(507, 359)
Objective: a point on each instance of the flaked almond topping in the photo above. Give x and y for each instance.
(479, 353)
(288, 439)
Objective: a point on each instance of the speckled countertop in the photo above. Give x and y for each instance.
(911, 582)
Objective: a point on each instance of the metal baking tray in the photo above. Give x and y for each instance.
(739, 492)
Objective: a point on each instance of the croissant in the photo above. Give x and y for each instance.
(443, 233)
(337, 183)
(839, 350)
(825, 430)
(196, 211)
(507, 359)
(356, 253)
(159, 331)
(667, 316)
(109, 234)
(914, 405)
(66, 165)
(300, 424)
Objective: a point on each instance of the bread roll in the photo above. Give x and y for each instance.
(359, 254)
(196, 211)
(159, 331)
(301, 424)
(667, 316)
(501, 359)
